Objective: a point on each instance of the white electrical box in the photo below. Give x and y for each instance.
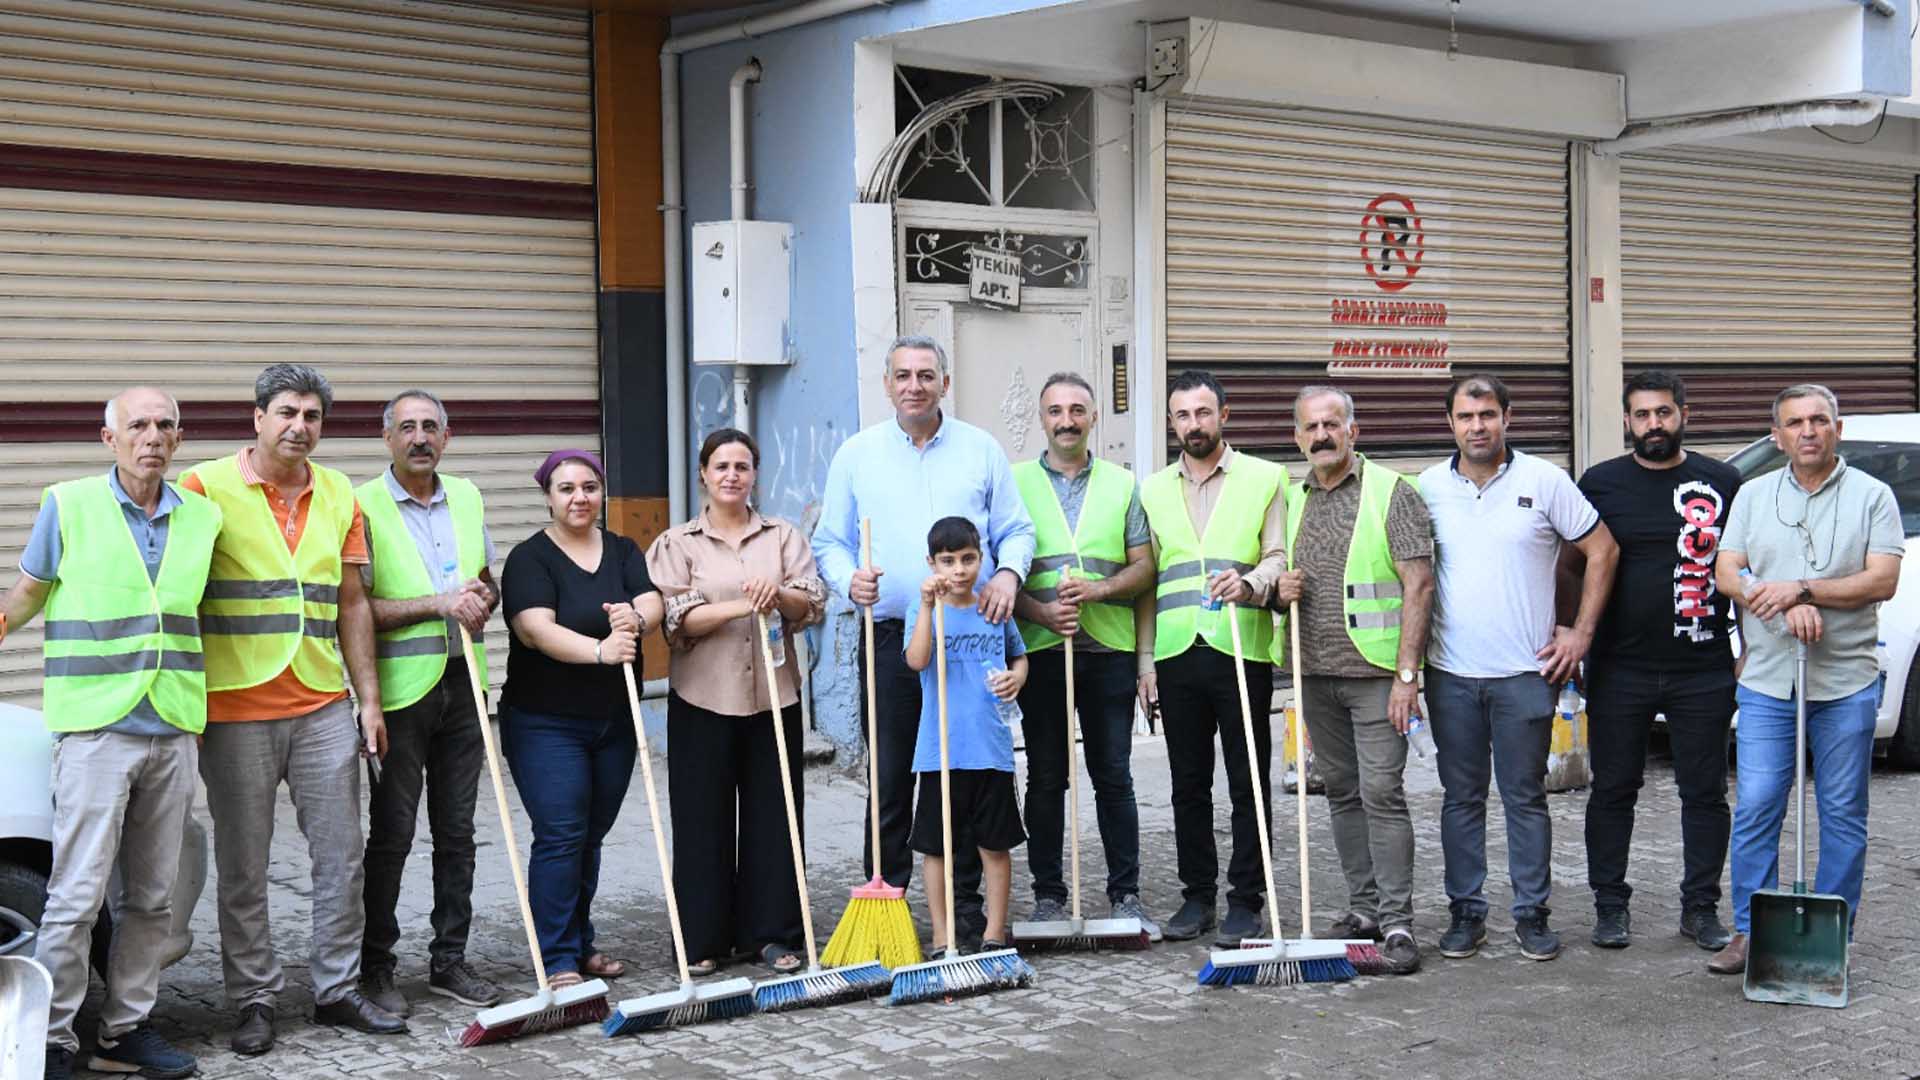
(742, 292)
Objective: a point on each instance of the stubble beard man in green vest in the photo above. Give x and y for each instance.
(429, 572)
(122, 780)
(1360, 544)
(1093, 556)
(1219, 532)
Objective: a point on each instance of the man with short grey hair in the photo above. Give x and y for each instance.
(1809, 553)
(903, 474)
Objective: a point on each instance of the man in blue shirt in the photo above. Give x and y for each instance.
(903, 475)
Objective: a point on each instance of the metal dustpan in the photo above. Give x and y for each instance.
(1797, 940)
(26, 995)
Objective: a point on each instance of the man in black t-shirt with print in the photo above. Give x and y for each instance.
(1662, 647)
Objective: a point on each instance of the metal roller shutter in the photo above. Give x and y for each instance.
(1746, 273)
(1295, 239)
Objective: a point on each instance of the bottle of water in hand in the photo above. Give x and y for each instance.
(1570, 702)
(1007, 710)
(777, 638)
(1775, 625)
(1420, 739)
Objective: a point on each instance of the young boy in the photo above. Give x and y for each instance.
(984, 662)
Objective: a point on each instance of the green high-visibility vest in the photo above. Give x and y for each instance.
(1373, 594)
(267, 609)
(411, 659)
(1232, 542)
(114, 636)
(1095, 548)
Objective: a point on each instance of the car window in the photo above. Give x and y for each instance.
(1896, 465)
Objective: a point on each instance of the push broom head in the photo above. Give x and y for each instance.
(1080, 935)
(549, 1010)
(1364, 955)
(954, 976)
(822, 986)
(876, 927)
(678, 1008)
(1285, 963)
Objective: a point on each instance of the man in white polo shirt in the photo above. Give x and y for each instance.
(1495, 655)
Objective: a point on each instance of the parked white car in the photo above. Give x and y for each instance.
(26, 846)
(1885, 446)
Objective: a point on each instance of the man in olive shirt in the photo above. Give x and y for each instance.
(1360, 545)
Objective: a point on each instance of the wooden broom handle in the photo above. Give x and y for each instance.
(659, 834)
(500, 800)
(1299, 727)
(1073, 780)
(946, 778)
(1253, 769)
(786, 787)
(873, 704)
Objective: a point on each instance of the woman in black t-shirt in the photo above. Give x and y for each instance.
(577, 599)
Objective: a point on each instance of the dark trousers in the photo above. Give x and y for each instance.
(1507, 721)
(1621, 704)
(1103, 696)
(897, 688)
(572, 773)
(1198, 698)
(435, 740)
(732, 859)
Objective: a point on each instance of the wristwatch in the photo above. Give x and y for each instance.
(1806, 593)
(1406, 676)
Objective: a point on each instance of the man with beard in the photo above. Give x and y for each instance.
(1499, 520)
(1092, 556)
(429, 576)
(1219, 521)
(1361, 546)
(1662, 647)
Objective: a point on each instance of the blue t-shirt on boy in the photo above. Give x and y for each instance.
(976, 736)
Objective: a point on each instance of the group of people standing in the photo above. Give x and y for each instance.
(259, 583)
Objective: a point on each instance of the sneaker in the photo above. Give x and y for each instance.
(378, 986)
(141, 1050)
(460, 982)
(1464, 937)
(1703, 925)
(59, 1063)
(1129, 907)
(1240, 924)
(1194, 918)
(1537, 942)
(1400, 952)
(1611, 928)
(1353, 926)
(1047, 909)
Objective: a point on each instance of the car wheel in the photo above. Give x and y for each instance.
(1905, 745)
(23, 903)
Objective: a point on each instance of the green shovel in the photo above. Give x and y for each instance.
(1797, 942)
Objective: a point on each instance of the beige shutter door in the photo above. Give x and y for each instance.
(397, 192)
(1747, 273)
(1296, 239)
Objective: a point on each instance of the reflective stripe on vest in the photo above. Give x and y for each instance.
(1095, 548)
(114, 636)
(411, 659)
(266, 608)
(1373, 592)
(1232, 541)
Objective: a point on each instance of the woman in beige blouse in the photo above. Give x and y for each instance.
(732, 861)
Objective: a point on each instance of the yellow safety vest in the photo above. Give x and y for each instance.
(1232, 542)
(411, 659)
(1096, 548)
(1373, 594)
(267, 608)
(114, 636)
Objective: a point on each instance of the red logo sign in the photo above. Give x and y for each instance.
(1393, 241)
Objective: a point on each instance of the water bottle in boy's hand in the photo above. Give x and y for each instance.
(777, 638)
(1419, 739)
(1008, 709)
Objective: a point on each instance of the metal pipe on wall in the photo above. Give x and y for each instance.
(1639, 137)
(741, 188)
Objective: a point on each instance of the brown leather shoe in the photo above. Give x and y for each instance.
(1731, 960)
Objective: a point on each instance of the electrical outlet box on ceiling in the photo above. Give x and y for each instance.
(1169, 58)
(742, 285)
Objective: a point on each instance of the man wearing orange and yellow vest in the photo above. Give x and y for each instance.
(429, 578)
(278, 616)
(1092, 556)
(118, 562)
(1219, 521)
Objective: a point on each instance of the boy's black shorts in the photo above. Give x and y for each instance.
(986, 814)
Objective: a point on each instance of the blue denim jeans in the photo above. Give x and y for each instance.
(1510, 721)
(1840, 735)
(572, 773)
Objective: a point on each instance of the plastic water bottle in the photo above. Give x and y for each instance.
(1571, 703)
(1775, 625)
(1008, 711)
(1420, 738)
(1210, 607)
(777, 638)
